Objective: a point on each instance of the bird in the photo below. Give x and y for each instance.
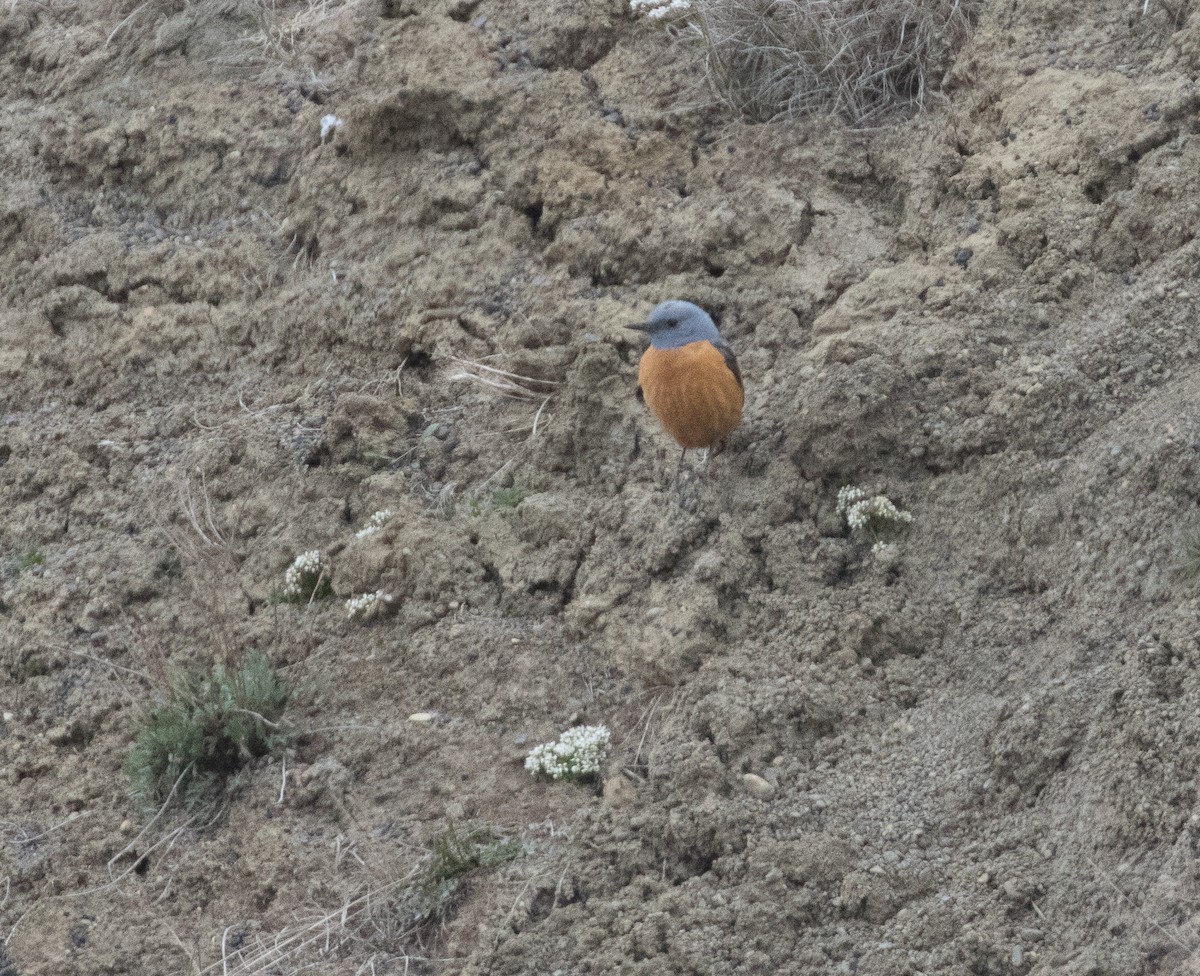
(689, 376)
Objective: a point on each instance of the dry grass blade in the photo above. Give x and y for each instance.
(200, 514)
(25, 837)
(514, 386)
(1146, 917)
(502, 381)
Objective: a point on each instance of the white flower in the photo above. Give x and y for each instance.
(578, 752)
(330, 123)
(374, 523)
(876, 515)
(366, 604)
(303, 575)
(847, 496)
(659, 9)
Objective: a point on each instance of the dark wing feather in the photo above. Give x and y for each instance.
(641, 397)
(730, 360)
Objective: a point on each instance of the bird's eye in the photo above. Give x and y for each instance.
(671, 323)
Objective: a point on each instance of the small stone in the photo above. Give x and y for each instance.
(984, 878)
(1018, 957)
(758, 787)
(520, 739)
(126, 826)
(59, 735)
(421, 717)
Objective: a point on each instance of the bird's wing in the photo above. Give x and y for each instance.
(730, 360)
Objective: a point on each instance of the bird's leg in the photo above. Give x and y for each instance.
(684, 485)
(679, 463)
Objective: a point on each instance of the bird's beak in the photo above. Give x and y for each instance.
(641, 327)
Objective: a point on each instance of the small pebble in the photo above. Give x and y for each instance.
(758, 787)
(421, 717)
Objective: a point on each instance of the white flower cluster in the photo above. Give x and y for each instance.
(577, 753)
(366, 604)
(659, 9)
(863, 512)
(374, 523)
(303, 575)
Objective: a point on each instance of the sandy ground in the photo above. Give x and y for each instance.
(224, 340)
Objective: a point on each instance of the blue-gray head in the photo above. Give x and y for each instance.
(674, 324)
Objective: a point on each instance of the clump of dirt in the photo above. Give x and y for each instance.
(229, 340)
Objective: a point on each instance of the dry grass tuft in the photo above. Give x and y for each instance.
(384, 926)
(859, 59)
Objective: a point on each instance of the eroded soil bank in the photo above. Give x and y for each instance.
(226, 341)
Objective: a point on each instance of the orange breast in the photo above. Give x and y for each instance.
(692, 391)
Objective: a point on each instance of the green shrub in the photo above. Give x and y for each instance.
(508, 497)
(169, 565)
(435, 892)
(209, 727)
(27, 560)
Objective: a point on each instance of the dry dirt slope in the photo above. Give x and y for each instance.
(982, 754)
